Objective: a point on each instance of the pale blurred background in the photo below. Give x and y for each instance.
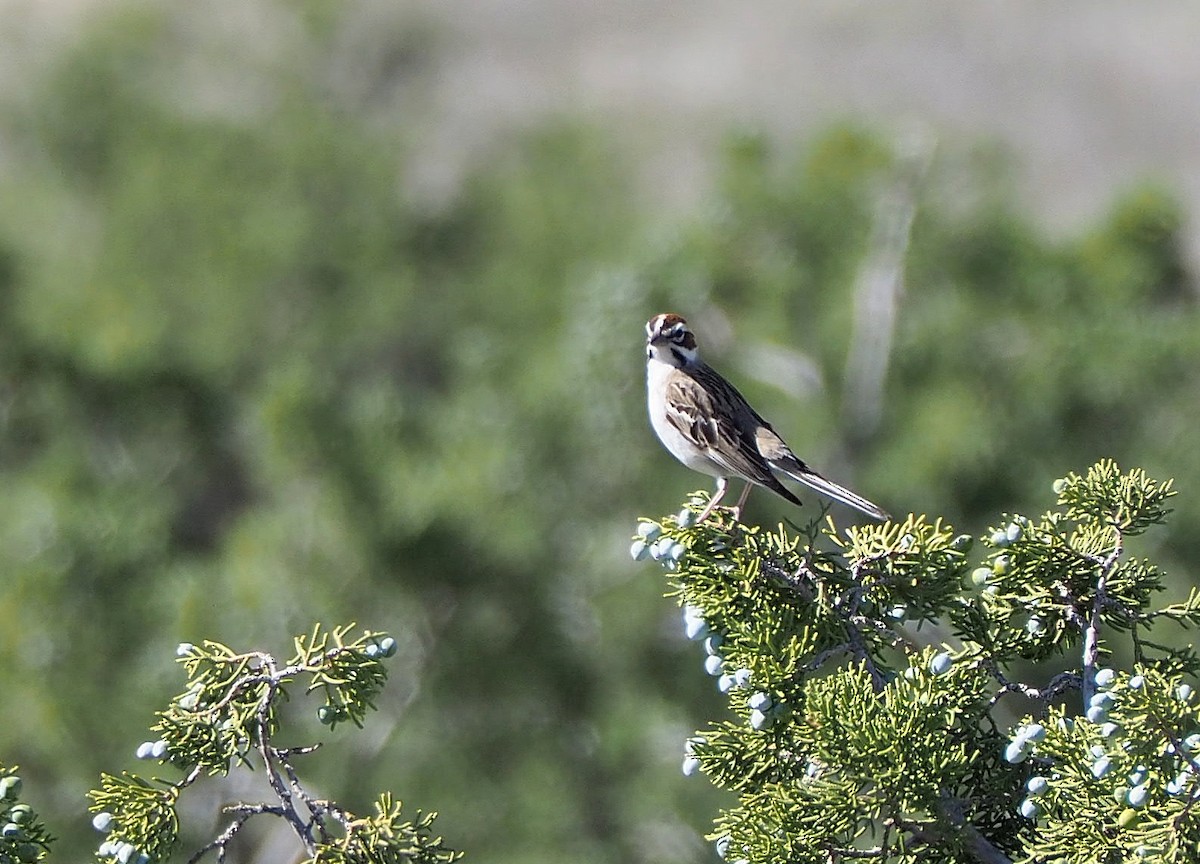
(1089, 97)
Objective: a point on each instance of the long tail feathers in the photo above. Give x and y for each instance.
(833, 490)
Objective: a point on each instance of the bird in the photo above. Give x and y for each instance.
(708, 425)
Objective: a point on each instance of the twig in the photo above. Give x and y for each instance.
(841, 853)
(825, 656)
(1091, 636)
(270, 758)
(980, 847)
(1059, 683)
(244, 813)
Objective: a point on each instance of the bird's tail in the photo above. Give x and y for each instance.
(803, 474)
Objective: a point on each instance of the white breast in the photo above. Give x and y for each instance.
(658, 374)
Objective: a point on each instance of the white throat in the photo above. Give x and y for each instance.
(671, 356)
(658, 369)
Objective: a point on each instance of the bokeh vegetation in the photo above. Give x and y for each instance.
(249, 381)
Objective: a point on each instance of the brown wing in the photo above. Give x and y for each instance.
(714, 429)
(738, 439)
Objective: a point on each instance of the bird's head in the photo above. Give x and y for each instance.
(669, 341)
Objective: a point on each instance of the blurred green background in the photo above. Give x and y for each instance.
(249, 380)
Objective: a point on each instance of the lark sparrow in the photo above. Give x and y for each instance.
(711, 428)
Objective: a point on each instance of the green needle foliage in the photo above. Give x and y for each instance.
(227, 717)
(884, 705)
(23, 836)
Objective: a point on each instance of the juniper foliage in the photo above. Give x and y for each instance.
(23, 835)
(890, 700)
(227, 717)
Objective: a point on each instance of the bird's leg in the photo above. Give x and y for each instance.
(737, 511)
(722, 485)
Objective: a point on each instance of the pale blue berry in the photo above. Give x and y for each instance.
(1101, 767)
(145, 749)
(980, 576)
(1097, 714)
(158, 749)
(1183, 692)
(713, 664)
(685, 518)
(638, 550)
(1104, 678)
(1097, 750)
(1030, 809)
(188, 701)
(759, 719)
(1017, 751)
(1037, 785)
(1059, 486)
(760, 701)
(722, 846)
(713, 643)
(741, 677)
(726, 683)
(1137, 795)
(690, 766)
(21, 813)
(1101, 700)
(694, 626)
(1136, 682)
(1013, 532)
(102, 822)
(183, 649)
(676, 551)
(999, 537)
(690, 745)
(649, 531)
(388, 646)
(1109, 729)
(106, 849)
(1033, 732)
(1192, 742)
(1034, 626)
(941, 663)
